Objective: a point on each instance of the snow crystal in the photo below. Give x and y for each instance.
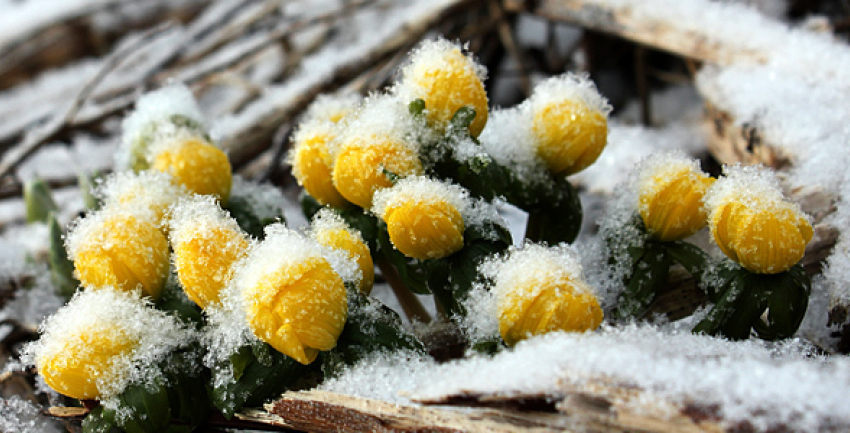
(153, 116)
(380, 115)
(332, 107)
(421, 189)
(196, 217)
(19, 415)
(146, 195)
(267, 201)
(570, 87)
(509, 140)
(754, 186)
(153, 333)
(527, 265)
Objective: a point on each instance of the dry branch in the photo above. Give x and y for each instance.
(678, 38)
(597, 406)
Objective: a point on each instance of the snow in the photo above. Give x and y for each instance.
(766, 385)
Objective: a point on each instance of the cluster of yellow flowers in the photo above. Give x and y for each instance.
(750, 220)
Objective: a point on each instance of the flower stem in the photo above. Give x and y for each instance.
(413, 309)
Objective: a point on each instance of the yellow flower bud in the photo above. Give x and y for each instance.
(311, 165)
(671, 189)
(331, 231)
(359, 169)
(197, 165)
(540, 290)
(424, 217)
(446, 79)
(206, 244)
(569, 123)
(753, 224)
(294, 299)
(112, 249)
(73, 370)
(102, 341)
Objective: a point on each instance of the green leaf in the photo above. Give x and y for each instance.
(462, 118)
(241, 210)
(257, 382)
(87, 182)
(150, 408)
(691, 257)
(648, 277)
(728, 293)
(61, 267)
(371, 326)
(100, 420)
(174, 301)
(787, 305)
(451, 278)
(416, 107)
(38, 201)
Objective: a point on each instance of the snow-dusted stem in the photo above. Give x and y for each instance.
(413, 309)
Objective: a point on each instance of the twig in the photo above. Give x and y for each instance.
(507, 38)
(36, 137)
(280, 146)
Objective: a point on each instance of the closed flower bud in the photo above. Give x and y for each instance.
(294, 297)
(111, 248)
(569, 123)
(365, 165)
(195, 164)
(330, 230)
(424, 217)
(671, 188)
(540, 290)
(440, 74)
(102, 341)
(311, 164)
(752, 222)
(207, 243)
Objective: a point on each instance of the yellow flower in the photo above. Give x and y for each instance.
(441, 75)
(753, 224)
(311, 166)
(207, 243)
(569, 123)
(102, 341)
(294, 299)
(424, 217)
(197, 165)
(540, 290)
(359, 169)
(74, 369)
(112, 249)
(331, 231)
(671, 189)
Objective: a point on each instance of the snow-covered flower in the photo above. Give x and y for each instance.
(753, 223)
(569, 123)
(114, 248)
(206, 242)
(148, 194)
(330, 230)
(102, 341)
(293, 295)
(196, 164)
(670, 192)
(445, 78)
(424, 216)
(540, 289)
